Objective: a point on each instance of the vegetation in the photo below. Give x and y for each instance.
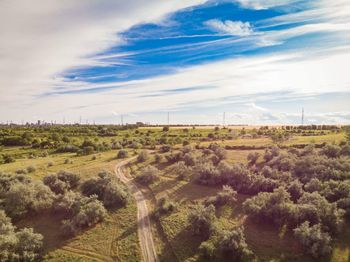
(223, 194)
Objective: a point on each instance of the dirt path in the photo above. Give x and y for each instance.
(144, 226)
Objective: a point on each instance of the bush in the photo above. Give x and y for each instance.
(61, 182)
(201, 219)
(165, 129)
(89, 211)
(23, 245)
(315, 242)
(115, 195)
(31, 169)
(164, 206)
(182, 170)
(50, 164)
(122, 154)
(233, 245)
(253, 157)
(226, 196)
(143, 156)
(27, 197)
(107, 189)
(158, 158)
(148, 175)
(165, 148)
(8, 159)
(331, 150)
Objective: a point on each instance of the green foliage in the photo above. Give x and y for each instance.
(201, 219)
(314, 240)
(143, 156)
(233, 245)
(122, 154)
(61, 182)
(164, 206)
(253, 157)
(20, 195)
(108, 189)
(148, 175)
(226, 196)
(87, 212)
(23, 245)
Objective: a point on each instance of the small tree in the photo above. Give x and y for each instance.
(201, 219)
(253, 157)
(148, 175)
(315, 242)
(122, 154)
(234, 246)
(143, 156)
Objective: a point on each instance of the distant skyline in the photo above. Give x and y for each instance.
(259, 61)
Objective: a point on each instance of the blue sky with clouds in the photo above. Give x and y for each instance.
(258, 61)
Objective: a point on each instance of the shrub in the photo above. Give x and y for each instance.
(182, 170)
(50, 164)
(61, 182)
(23, 197)
(158, 158)
(87, 212)
(315, 242)
(148, 175)
(201, 219)
(226, 196)
(94, 157)
(233, 245)
(295, 189)
(31, 169)
(165, 128)
(23, 245)
(164, 206)
(207, 173)
(122, 154)
(8, 159)
(21, 171)
(165, 148)
(107, 189)
(331, 150)
(115, 195)
(253, 157)
(143, 156)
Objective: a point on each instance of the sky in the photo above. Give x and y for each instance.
(259, 61)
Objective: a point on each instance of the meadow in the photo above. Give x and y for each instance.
(86, 151)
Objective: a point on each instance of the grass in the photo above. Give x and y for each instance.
(113, 239)
(175, 241)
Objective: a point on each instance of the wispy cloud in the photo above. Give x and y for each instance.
(235, 28)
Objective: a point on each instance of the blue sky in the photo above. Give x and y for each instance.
(258, 61)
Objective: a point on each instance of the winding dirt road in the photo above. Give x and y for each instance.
(144, 226)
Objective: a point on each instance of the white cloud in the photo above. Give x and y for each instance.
(263, 4)
(42, 39)
(39, 43)
(236, 28)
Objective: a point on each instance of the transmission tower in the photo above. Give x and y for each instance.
(302, 116)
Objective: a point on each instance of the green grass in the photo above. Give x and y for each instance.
(113, 239)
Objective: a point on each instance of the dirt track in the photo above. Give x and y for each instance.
(144, 226)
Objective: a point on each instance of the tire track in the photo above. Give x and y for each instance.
(143, 222)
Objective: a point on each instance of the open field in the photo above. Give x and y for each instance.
(116, 238)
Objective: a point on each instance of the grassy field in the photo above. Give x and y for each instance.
(113, 239)
(268, 242)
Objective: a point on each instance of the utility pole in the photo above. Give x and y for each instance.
(121, 120)
(224, 119)
(302, 116)
(168, 118)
